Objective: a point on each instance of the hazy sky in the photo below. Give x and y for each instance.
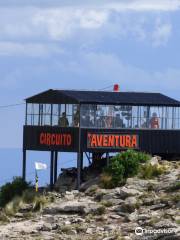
(76, 45)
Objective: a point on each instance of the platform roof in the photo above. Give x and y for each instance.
(101, 97)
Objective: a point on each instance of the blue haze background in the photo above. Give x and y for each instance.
(80, 45)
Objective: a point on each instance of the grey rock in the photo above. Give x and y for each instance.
(165, 224)
(178, 205)
(92, 182)
(99, 229)
(138, 184)
(125, 192)
(78, 220)
(25, 208)
(19, 215)
(90, 230)
(108, 197)
(144, 217)
(46, 227)
(67, 223)
(79, 207)
(133, 217)
(155, 160)
(116, 201)
(158, 206)
(72, 232)
(110, 228)
(50, 219)
(129, 205)
(114, 216)
(108, 238)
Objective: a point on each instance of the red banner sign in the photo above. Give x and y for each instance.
(111, 140)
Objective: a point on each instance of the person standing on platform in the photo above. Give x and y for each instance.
(63, 121)
(154, 122)
(76, 119)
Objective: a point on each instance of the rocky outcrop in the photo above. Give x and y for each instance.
(142, 209)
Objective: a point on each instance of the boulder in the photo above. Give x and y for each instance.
(125, 192)
(72, 207)
(88, 184)
(129, 205)
(155, 160)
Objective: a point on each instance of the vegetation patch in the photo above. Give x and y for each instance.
(99, 211)
(122, 166)
(178, 221)
(148, 171)
(3, 218)
(39, 203)
(13, 207)
(92, 190)
(174, 187)
(107, 203)
(66, 229)
(10, 190)
(79, 228)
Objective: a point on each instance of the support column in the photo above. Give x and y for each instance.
(107, 159)
(79, 154)
(24, 165)
(81, 167)
(78, 170)
(51, 170)
(55, 166)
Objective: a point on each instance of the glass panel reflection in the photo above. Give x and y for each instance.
(103, 116)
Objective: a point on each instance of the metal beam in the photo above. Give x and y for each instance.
(89, 158)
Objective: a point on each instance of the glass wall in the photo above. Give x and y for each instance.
(63, 115)
(137, 117)
(103, 116)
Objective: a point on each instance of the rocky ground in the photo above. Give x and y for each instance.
(151, 205)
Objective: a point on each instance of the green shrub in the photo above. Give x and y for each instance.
(123, 165)
(130, 162)
(143, 157)
(100, 210)
(148, 171)
(114, 174)
(10, 190)
(29, 196)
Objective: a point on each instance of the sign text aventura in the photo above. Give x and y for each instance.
(112, 140)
